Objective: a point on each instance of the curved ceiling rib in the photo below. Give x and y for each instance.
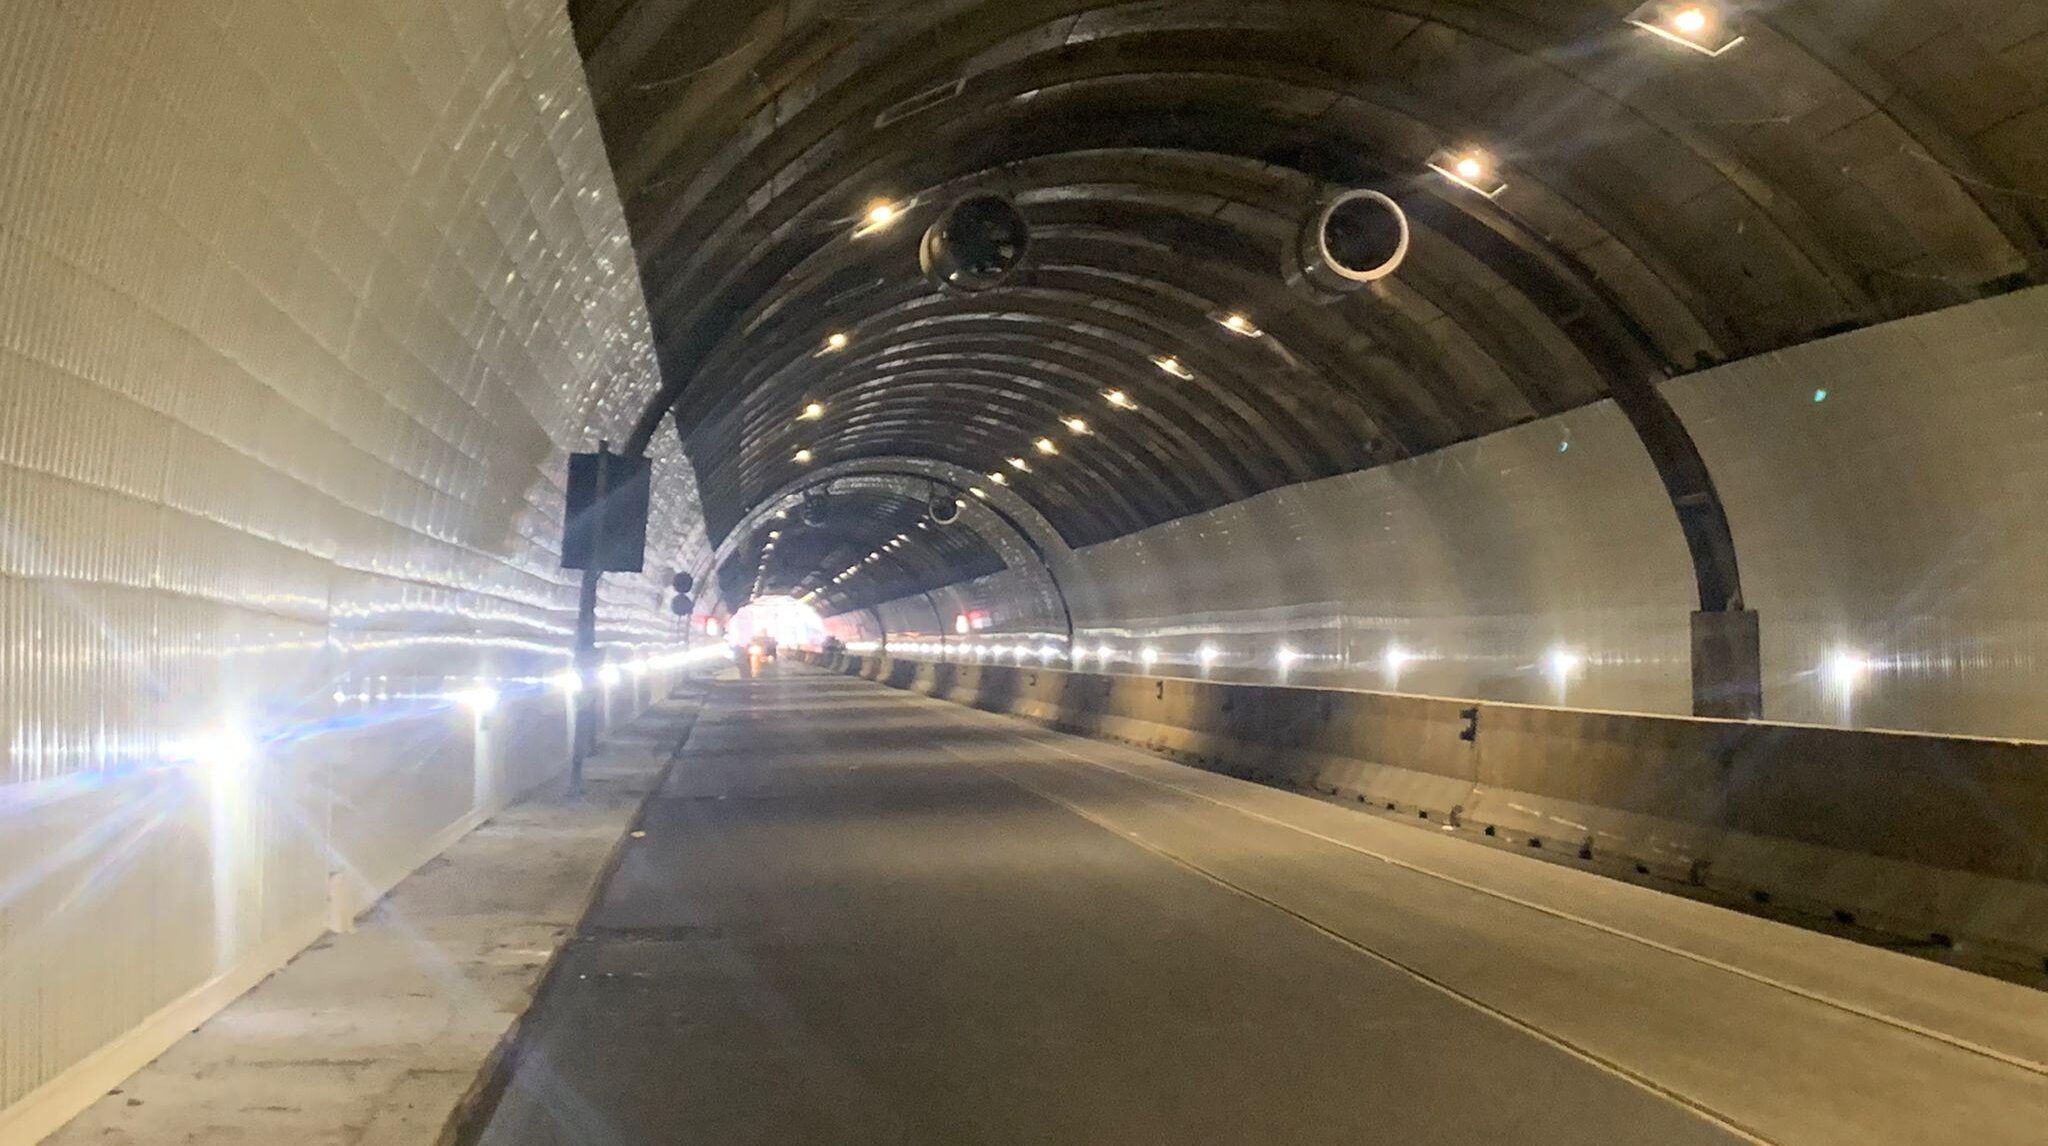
(1663, 211)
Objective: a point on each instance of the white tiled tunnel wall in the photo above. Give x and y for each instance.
(302, 303)
(1884, 486)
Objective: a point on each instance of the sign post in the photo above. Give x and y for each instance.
(604, 531)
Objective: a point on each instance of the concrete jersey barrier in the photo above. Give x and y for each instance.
(1941, 840)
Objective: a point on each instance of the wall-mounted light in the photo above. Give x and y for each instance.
(1705, 27)
(1173, 366)
(224, 749)
(1285, 658)
(480, 698)
(1472, 168)
(1846, 668)
(1397, 658)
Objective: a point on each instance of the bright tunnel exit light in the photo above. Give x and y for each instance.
(568, 681)
(609, 675)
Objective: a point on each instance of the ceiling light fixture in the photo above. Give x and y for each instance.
(1472, 168)
(1238, 323)
(999, 478)
(802, 457)
(879, 216)
(1046, 446)
(836, 341)
(1700, 25)
(812, 411)
(1119, 399)
(1019, 464)
(1076, 426)
(1173, 366)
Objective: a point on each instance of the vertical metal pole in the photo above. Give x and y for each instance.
(587, 707)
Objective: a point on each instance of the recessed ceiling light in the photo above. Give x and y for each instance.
(1020, 465)
(978, 492)
(1046, 446)
(802, 458)
(999, 478)
(836, 341)
(812, 411)
(1119, 399)
(879, 216)
(1076, 426)
(1701, 25)
(1238, 323)
(1173, 366)
(1472, 168)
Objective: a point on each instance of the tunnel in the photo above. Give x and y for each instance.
(1057, 571)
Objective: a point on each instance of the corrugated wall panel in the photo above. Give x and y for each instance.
(301, 306)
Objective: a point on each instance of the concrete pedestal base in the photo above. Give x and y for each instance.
(1727, 666)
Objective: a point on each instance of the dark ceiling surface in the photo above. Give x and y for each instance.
(1849, 162)
(877, 541)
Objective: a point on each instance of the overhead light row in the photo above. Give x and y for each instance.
(1705, 26)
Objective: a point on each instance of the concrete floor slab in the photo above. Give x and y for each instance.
(860, 916)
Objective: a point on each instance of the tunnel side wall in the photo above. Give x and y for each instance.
(1883, 486)
(301, 305)
(1931, 839)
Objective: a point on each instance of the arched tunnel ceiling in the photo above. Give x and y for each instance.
(1850, 162)
(874, 543)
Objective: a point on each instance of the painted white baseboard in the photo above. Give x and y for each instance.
(59, 1100)
(47, 1108)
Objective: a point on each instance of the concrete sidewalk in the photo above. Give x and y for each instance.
(372, 1038)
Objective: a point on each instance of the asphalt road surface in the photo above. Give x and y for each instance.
(863, 916)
